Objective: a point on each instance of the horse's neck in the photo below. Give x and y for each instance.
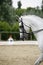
(35, 22)
(36, 25)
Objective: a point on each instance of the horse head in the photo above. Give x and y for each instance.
(24, 27)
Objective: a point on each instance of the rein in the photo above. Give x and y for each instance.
(33, 31)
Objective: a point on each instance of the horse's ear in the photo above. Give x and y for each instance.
(20, 19)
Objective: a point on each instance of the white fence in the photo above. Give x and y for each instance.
(18, 43)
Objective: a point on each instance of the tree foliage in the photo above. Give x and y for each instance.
(4, 26)
(42, 6)
(20, 12)
(19, 4)
(6, 10)
(15, 28)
